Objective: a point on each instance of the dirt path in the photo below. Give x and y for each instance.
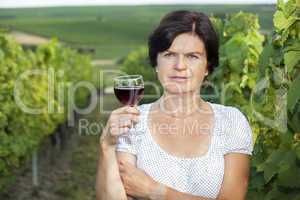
(29, 39)
(103, 62)
(32, 39)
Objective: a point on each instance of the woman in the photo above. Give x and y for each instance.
(183, 147)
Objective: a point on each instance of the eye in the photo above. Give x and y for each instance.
(168, 54)
(192, 56)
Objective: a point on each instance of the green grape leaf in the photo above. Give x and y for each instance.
(236, 50)
(293, 94)
(289, 8)
(279, 20)
(264, 58)
(289, 177)
(275, 194)
(269, 172)
(271, 166)
(258, 181)
(291, 59)
(288, 160)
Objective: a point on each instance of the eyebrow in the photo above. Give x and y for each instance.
(193, 52)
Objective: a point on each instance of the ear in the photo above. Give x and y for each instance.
(207, 68)
(156, 74)
(206, 72)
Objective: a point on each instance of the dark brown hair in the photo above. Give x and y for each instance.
(183, 21)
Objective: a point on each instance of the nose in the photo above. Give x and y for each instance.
(180, 63)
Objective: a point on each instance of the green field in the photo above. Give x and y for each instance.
(112, 31)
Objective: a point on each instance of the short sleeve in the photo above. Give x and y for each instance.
(238, 138)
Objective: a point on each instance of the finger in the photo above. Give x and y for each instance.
(124, 117)
(127, 109)
(125, 123)
(122, 179)
(117, 131)
(128, 117)
(127, 164)
(128, 168)
(121, 170)
(123, 176)
(132, 110)
(125, 120)
(120, 162)
(135, 119)
(121, 167)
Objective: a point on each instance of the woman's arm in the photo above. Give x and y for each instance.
(108, 182)
(236, 177)
(173, 194)
(234, 186)
(129, 158)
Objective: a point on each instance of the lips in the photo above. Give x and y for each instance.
(179, 78)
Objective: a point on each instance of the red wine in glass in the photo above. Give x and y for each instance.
(129, 89)
(129, 95)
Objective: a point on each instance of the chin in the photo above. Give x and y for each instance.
(177, 90)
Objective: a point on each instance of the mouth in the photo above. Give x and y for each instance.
(179, 78)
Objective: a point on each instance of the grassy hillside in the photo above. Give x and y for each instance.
(112, 30)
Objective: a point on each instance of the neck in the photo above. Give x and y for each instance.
(180, 105)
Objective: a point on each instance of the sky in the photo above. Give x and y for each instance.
(46, 3)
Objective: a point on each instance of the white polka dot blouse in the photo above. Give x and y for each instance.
(199, 176)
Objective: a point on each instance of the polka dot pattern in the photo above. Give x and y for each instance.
(202, 175)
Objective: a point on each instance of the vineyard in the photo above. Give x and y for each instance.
(31, 106)
(259, 73)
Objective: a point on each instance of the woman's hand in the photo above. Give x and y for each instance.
(119, 122)
(138, 184)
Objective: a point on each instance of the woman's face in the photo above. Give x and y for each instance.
(183, 66)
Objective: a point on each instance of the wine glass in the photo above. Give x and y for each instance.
(129, 90)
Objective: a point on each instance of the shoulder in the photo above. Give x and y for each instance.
(229, 110)
(230, 114)
(235, 128)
